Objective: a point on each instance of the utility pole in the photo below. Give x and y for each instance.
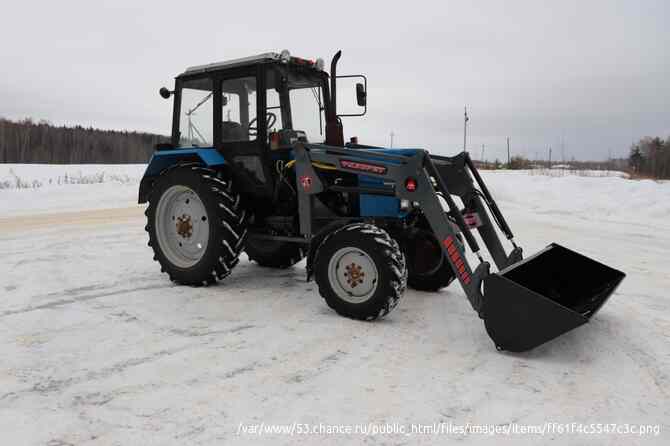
(392, 134)
(549, 156)
(465, 128)
(563, 149)
(482, 158)
(509, 161)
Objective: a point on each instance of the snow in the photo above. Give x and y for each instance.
(98, 347)
(612, 198)
(40, 188)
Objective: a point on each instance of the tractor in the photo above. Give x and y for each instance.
(257, 163)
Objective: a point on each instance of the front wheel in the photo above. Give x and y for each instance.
(360, 271)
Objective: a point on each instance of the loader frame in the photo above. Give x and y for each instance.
(434, 177)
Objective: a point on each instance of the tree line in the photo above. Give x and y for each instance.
(27, 141)
(651, 157)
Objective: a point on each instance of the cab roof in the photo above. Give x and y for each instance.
(283, 57)
(250, 60)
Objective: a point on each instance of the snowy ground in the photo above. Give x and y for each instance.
(97, 347)
(28, 189)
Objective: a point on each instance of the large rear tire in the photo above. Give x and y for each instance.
(196, 225)
(429, 269)
(360, 271)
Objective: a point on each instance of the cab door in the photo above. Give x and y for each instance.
(240, 132)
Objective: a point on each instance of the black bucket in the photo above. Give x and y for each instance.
(543, 296)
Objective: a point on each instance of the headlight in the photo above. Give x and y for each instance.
(285, 56)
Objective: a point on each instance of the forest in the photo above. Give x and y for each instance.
(27, 141)
(650, 157)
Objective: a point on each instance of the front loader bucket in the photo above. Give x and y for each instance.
(543, 296)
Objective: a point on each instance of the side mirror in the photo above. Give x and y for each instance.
(165, 93)
(361, 95)
(344, 96)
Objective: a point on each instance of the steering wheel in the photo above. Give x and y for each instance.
(270, 117)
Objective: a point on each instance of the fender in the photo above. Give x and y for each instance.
(165, 159)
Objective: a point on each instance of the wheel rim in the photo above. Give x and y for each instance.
(353, 275)
(182, 226)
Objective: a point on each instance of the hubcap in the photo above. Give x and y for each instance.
(182, 226)
(353, 275)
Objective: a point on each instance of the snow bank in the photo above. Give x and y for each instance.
(27, 176)
(43, 188)
(610, 198)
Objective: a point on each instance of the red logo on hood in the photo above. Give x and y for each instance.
(363, 167)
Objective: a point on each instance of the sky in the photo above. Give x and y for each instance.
(586, 78)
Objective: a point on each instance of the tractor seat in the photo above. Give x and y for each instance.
(233, 131)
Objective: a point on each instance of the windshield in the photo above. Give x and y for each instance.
(306, 108)
(306, 111)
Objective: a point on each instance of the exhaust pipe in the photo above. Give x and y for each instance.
(334, 131)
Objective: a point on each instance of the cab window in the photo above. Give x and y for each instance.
(195, 118)
(239, 119)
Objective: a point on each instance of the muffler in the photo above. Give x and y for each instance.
(543, 296)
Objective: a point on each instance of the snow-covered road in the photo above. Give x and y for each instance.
(98, 347)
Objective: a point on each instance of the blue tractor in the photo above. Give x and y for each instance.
(257, 163)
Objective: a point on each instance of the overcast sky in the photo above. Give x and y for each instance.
(594, 74)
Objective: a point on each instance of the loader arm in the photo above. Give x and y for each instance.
(461, 178)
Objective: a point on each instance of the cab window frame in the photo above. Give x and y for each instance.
(237, 73)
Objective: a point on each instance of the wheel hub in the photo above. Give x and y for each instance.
(184, 226)
(354, 274)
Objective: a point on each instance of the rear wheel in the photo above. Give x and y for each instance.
(429, 270)
(360, 271)
(196, 225)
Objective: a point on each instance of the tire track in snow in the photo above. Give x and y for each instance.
(63, 302)
(97, 217)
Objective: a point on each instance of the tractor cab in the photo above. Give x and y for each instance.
(252, 111)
